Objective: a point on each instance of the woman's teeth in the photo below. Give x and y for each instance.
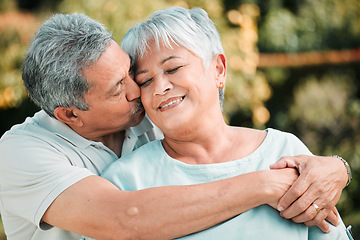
(172, 102)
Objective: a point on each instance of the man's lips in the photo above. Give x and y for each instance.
(139, 107)
(170, 102)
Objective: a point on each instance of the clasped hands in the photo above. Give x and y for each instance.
(311, 199)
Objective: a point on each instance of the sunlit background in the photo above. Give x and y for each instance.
(292, 65)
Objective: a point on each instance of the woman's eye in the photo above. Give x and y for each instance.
(173, 70)
(145, 83)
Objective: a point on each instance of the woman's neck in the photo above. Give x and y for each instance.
(213, 144)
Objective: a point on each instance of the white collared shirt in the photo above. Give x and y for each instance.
(42, 157)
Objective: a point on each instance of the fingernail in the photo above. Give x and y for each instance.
(280, 208)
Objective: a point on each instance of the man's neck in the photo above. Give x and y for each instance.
(114, 141)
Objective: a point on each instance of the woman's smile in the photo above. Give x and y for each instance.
(170, 103)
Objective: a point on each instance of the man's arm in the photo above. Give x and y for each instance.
(321, 182)
(96, 208)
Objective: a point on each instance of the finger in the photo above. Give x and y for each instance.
(333, 217)
(295, 193)
(304, 192)
(319, 220)
(335, 211)
(310, 215)
(306, 200)
(324, 226)
(306, 216)
(284, 162)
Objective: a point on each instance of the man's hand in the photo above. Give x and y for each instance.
(320, 182)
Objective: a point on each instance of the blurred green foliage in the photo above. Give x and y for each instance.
(319, 103)
(313, 25)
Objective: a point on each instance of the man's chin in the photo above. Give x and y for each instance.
(138, 117)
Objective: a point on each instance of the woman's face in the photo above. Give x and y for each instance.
(176, 91)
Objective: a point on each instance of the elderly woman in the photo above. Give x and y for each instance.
(181, 69)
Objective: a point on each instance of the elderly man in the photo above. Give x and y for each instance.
(91, 115)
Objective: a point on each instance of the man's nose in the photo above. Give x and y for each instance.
(132, 90)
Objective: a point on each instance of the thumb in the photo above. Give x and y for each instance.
(284, 162)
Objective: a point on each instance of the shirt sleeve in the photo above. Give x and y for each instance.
(32, 174)
(339, 232)
(115, 175)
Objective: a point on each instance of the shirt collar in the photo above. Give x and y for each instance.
(145, 126)
(132, 134)
(62, 130)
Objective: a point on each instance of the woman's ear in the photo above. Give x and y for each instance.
(220, 66)
(68, 115)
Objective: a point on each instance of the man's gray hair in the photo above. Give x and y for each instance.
(189, 28)
(52, 69)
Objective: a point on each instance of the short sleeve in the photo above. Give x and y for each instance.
(32, 174)
(115, 175)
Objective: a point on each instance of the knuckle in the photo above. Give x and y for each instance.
(296, 220)
(316, 221)
(309, 223)
(285, 215)
(319, 217)
(323, 188)
(313, 177)
(327, 206)
(310, 214)
(296, 191)
(303, 206)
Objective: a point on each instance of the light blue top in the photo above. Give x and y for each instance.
(150, 166)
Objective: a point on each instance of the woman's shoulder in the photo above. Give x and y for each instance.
(256, 139)
(247, 141)
(251, 135)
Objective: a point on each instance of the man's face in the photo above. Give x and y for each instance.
(113, 97)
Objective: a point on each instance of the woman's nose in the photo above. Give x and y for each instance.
(162, 85)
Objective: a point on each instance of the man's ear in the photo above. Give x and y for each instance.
(68, 115)
(220, 65)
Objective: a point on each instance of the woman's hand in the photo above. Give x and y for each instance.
(278, 182)
(320, 182)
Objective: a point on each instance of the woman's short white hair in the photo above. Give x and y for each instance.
(189, 28)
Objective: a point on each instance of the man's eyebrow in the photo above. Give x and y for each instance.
(162, 62)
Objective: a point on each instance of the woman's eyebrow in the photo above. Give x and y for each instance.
(140, 72)
(162, 62)
(168, 58)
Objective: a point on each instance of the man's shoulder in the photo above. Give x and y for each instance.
(41, 128)
(27, 129)
(40, 133)
(30, 126)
